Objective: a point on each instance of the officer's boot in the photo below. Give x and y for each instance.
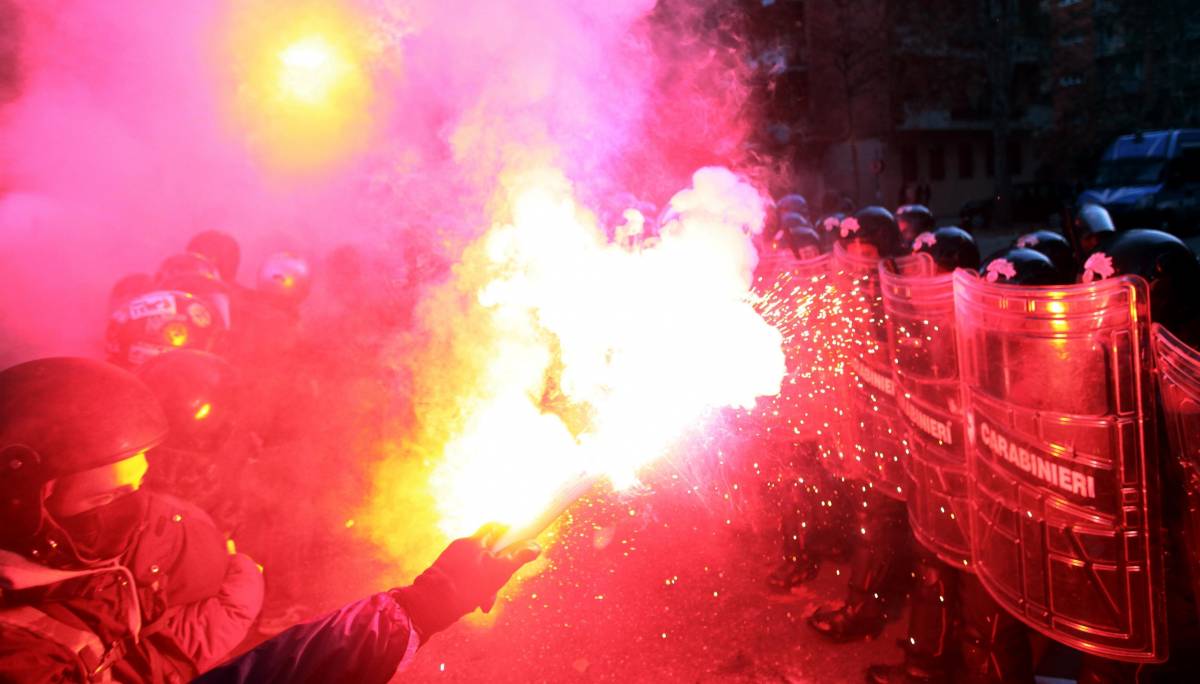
(995, 645)
(882, 529)
(930, 627)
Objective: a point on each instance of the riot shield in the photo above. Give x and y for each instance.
(873, 428)
(1179, 386)
(802, 302)
(920, 309)
(1064, 528)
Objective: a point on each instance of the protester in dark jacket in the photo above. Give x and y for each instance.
(369, 640)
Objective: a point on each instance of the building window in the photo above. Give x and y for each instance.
(966, 161)
(937, 164)
(908, 163)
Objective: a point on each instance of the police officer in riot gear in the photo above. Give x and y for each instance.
(878, 554)
(1172, 273)
(793, 277)
(913, 220)
(920, 305)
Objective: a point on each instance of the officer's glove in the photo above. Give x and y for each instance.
(465, 576)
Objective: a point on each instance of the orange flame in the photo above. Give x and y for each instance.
(584, 356)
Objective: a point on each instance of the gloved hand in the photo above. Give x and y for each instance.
(464, 577)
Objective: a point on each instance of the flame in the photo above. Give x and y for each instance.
(586, 356)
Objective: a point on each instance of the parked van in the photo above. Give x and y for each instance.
(1150, 180)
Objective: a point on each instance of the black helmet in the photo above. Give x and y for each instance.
(1020, 266)
(792, 204)
(61, 416)
(161, 321)
(914, 219)
(129, 287)
(1092, 224)
(874, 226)
(219, 248)
(1166, 263)
(199, 393)
(950, 246)
(804, 241)
(284, 279)
(827, 227)
(1055, 247)
(188, 265)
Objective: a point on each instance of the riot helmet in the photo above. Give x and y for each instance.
(160, 321)
(1055, 247)
(284, 279)
(128, 287)
(219, 248)
(73, 437)
(1166, 263)
(1092, 224)
(1020, 266)
(950, 247)
(792, 204)
(913, 220)
(871, 231)
(199, 393)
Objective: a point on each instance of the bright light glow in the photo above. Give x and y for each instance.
(203, 411)
(301, 93)
(601, 356)
(310, 69)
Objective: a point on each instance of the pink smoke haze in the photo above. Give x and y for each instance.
(118, 142)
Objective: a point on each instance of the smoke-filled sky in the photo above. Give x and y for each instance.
(132, 125)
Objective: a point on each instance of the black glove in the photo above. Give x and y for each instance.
(464, 577)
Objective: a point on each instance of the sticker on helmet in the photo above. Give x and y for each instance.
(849, 225)
(1000, 268)
(926, 239)
(1027, 241)
(1098, 267)
(153, 304)
(199, 315)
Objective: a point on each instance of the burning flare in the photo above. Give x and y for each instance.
(596, 357)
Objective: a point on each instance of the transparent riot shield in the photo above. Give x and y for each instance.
(872, 429)
(920, 310)
(1179, 387)
(1064, 528)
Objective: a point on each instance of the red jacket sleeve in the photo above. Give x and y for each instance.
(364, 642)
(207, 630)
